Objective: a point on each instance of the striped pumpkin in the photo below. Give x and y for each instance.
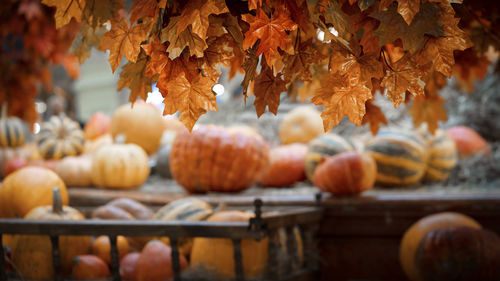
(442, 157)
(401, 157)
(322, 147)
(13, 130)
(60, 137)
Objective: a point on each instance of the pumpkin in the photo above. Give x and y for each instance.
(93, 145)
(14, 164)
(122, 208)
(459, 254)
(89, 267)
(8, 153)
(75, 170)
(27, 188)
(301, 124)
(33, 253)
(59, 137)
(13, 131)
(155, 262)
(162, 167)
(214, 158)
(101, 247)
(120, 166)
(413, 236)
(185, 209)
(128, 265)
(468, 141)
(401, 157)
(346, 173)
(140, 123)
(96, 126)
(322, 147)
(442, 157)
(286, 166)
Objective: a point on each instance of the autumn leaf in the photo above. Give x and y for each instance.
(146, 8)
(365, 25)
(182, 65)
(365, 67)
(307, 90)
(250, 67)
(299, 15)
(393, 26)
(270, 31)
(408, 9)
(334, 15)
(267, 90)
(133, 77)
(158, 57)
(85, 40)
(97, 12)
(125, 40)
(404, 75)
(196, 13)
(70, 64)
(185, 39)
(298, 64)
(428, 109)
(66, 10)
(374, 117)
(469, 67)
(191, 99)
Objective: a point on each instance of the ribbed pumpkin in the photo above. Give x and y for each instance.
(413, 236)
(286, 166)
(142, 124)
(301, 124)
(13, 130)
(322, 147)
(28, 188)
(75, 170)
(33, 253)
(214, 158)
(401, 157)
(442, 157)
(89, 267)
(60, 137)
(97, 126)
(120, 166)
(468, 141)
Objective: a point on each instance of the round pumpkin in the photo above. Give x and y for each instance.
(162, 167)
(346, 173)
(459, 254)
(128, 265)
(101, 247)
(214, 158)
(33, 253)
(75, 170)
(141, 124)
(120, 166)
(155, 262)
(89, 267)
(93, 145)
(13, 131)
(442, 157)
(468, 141)
(286, 166)
(59, 137)
(413, 236)
(322, 147)
(401, 157)
(301, 124)
(96, 126)
(28, 188)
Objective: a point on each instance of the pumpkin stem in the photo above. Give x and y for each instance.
(57, 206)
(4, 110)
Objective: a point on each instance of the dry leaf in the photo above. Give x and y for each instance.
(85, 40)
(374, 117)
(66, 10)
(267, 90)
(185, 39)
(133, 77)
(408, 9)
(148, 8)
(428, 109)
(97, 12)
(196, 13)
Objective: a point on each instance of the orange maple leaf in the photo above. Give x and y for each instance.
(192, 99)
(123, 39)
(374, 117)
(183, 65)
(158, 57)
(178, 42)
(298, 64)
(148, 8)
(85, 40)
(270, 31)
(250, 67)
(365, 67)
(196, 13)
(267, 90)
(428, 109)
(133, 77)
(97, 12)
(65, 10)
(408, 9)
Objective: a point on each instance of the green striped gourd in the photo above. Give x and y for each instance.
(60, 137)
(13, 130)
(322, 147)
(443, 156)
(401, 157)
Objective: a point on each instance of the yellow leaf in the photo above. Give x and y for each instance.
(65, 10)
(185, 39)
(196, 13)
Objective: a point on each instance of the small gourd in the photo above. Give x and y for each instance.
(60, 137)
(13, 131)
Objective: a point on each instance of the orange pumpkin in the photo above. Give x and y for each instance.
(302, 124)
(140, 123)
(128, 265)
(102, 247)
(468, 141)
(214, 158)
(75, 170)
(286, 166)
(97, 126)
(93, 145)
(155, 262)
(413, 236)
(28, 188)
(346, 173)
(89, 267)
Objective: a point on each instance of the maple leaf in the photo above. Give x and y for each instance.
(374, 117)
(66, 10)
(299, 15)
(180, 41)
(428, 109)
(185, 65)
(365, 67)
(236, 62)
(270, 31)
(408, 9)
(469, 67)
(148, 8)
(70, 64)
(334, 15)
(85, 40)
(123, 39)
(267, 90)
(98, 12)
(196, 13)
(308, 89)
(297, 65)
(250, 67)
(367, 25)
(158, 57)
(393, 26)
(191, 99)
(404, 75)
(341, 96)
(133, 77)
